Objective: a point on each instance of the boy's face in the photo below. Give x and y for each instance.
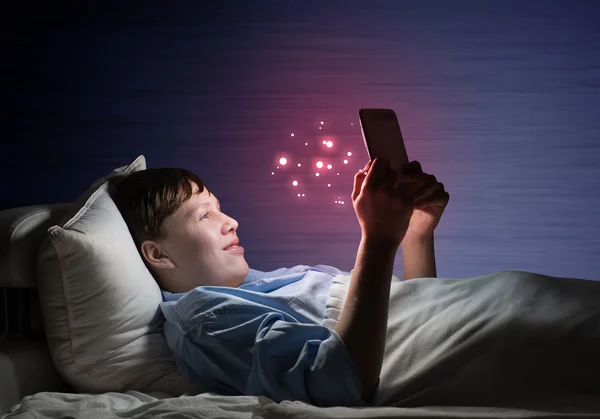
(198, 235)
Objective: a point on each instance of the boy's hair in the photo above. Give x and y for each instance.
(146, 198)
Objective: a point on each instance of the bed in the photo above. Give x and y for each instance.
(78, 341)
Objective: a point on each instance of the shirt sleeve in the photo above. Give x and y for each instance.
(238, 347)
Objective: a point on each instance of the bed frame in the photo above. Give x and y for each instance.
(26, 366)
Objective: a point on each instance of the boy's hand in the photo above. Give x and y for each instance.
(383, 211)
(430, 200)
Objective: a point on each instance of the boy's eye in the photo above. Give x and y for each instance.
(204, 216)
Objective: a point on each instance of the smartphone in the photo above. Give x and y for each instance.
(382, 135)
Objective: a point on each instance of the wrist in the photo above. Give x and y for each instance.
(379, 245)
(411, 238)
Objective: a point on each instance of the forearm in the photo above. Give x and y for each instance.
(363, 321)
(418, 257)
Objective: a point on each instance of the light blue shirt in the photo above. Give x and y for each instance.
(266, 337)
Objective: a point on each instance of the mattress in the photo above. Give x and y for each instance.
(137, 405)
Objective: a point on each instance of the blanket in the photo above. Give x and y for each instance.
(507, 339)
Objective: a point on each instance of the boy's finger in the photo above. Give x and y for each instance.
(439, 199)
(426, 191)
(389, 179)
(412, 167)
(376, 173)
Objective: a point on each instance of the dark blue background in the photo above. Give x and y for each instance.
(500, 100)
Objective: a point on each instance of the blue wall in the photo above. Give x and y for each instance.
(501, 103)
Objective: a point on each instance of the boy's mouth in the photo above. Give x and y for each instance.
(233, 244)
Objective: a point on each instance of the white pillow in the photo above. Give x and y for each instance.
(100, 303)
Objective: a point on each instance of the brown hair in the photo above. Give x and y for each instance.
(146, 198)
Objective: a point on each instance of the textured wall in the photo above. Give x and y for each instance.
(501, 103)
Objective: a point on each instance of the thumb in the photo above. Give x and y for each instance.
(359, 179)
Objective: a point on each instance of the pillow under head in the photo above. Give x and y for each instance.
(99, 301)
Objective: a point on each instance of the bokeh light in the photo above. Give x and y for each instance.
(321, 151)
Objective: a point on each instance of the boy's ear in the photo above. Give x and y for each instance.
(155, 256)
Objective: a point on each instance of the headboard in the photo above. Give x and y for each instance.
(25, 363)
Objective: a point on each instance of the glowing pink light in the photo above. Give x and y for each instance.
(329, 166)
(295, 183)
(283, 161)
(349, 153)
(305, 143)
(292, 134)
(319, 164)
(317, 174)
(329, 144)
(299, 164)
(345, 161)
(325, 142)
(322, 122)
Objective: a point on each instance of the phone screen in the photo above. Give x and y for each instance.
(382, 136)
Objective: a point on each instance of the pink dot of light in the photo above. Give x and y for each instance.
(319, 164)
(272, 173)
(292, 134)
(299, 164)
(329, 144)
(329, 166)
(283, 161)
(305, 143)
(329, 185)
(295, 183)
(322, 122)
(349, 153)
(345, 161)
(324, 142)
(317, 174)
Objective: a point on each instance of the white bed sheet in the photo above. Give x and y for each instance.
(134, 404)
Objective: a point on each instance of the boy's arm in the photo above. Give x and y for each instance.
(363, 322)
(418, 256)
